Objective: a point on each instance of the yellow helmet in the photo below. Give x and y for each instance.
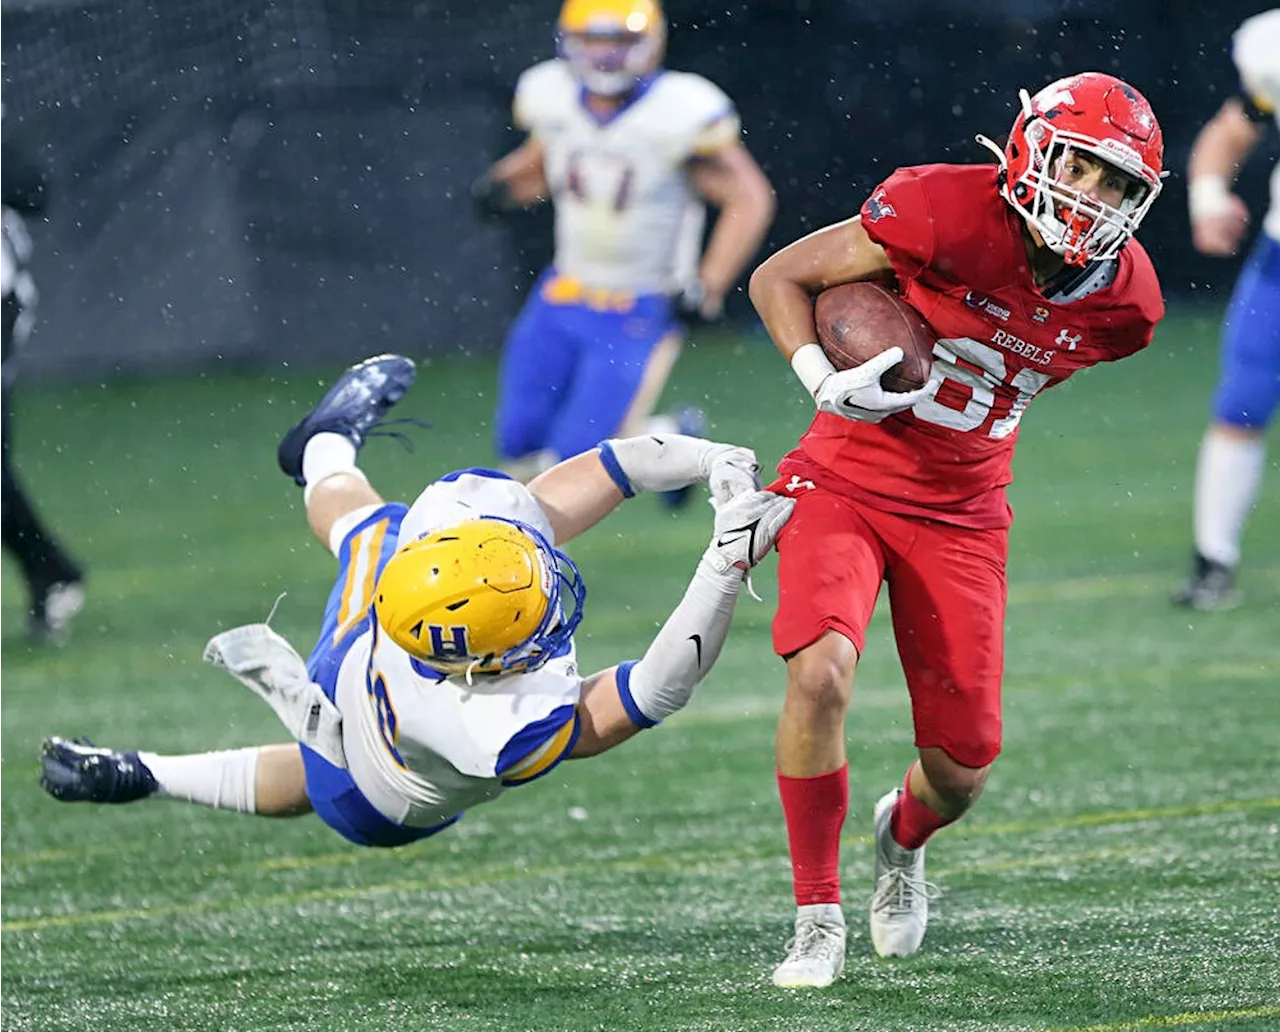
(611, 45)
(485, 596)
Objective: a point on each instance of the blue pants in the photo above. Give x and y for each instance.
(572, 366)
(1249, 380)
(331, 790)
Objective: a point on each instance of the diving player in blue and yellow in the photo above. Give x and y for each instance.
(445, 670)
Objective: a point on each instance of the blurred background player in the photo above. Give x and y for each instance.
(1033, 276)
(1233, 452)
(445, 669)
(55, 581)
(628, 151)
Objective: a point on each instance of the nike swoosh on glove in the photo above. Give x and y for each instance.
(857, 394)
(746, 528)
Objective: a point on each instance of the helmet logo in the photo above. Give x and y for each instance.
(452, 647)
(1054, 96)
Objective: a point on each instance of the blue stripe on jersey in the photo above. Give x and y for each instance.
(529, 738)
(475, 471)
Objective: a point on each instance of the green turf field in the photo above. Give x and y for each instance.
(1122, 871)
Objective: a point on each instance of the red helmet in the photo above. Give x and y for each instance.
(1101, 116)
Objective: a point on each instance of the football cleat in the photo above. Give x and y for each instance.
(691, 422)
(52, 608)
(815, 954)
(1211, 586)
(352, 407)
(900, 902)
(79, 772)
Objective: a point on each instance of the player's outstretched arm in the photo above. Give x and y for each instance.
(578, 493)
(1219, 217)
(618, 703)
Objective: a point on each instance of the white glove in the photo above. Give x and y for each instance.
(746, 528)
(854, 393)
(731, 471)
(266, 664)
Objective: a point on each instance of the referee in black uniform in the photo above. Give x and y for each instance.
(55, 582)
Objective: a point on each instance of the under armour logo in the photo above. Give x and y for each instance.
(795, 483)
(1067, 339)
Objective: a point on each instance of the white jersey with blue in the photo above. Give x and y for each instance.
(422, 748)
(627, 218)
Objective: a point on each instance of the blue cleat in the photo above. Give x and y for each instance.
(78, 772)
(691, 422)
(352, 407)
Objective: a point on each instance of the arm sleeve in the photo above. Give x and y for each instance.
(685, 649)
(897, 217)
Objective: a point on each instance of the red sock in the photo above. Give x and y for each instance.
(814, 809)
(912, 822)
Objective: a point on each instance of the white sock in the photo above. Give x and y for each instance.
(326, 455)
(1228, 476)
(225, 780)
(344, 525)
(663, 423)
(825, 913)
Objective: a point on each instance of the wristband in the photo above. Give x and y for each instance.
(812, 366)
(1208, 196)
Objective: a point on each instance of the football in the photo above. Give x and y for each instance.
(859, 320)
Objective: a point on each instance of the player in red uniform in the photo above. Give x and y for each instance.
(1027, 272)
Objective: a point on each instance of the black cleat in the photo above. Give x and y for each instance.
(1211, 586)
(352, 407)
(78, 772)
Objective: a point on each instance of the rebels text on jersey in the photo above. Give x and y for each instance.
(958, 253)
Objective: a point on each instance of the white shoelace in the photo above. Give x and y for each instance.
(813, 940)
(896, 892)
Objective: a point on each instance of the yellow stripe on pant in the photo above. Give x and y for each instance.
(362, 571)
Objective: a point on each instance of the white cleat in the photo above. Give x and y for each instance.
(900, 902)
(815, 956)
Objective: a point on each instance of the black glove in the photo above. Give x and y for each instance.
(490, 197)
(692, 309)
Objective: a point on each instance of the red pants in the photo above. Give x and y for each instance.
(947, 595)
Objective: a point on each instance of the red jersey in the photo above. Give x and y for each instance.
(957, 250)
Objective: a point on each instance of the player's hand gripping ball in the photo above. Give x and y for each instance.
(857, 321)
